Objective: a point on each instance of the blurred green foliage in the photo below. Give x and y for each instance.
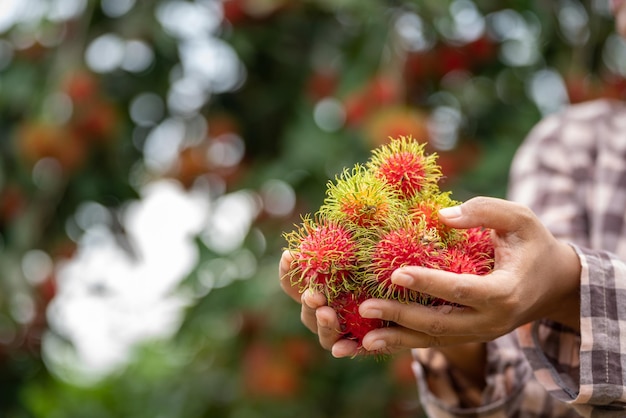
(314, 85)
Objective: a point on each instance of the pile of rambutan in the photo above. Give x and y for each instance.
(377, 217)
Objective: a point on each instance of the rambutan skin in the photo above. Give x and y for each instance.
(359, 197)
(473, 254)
(377, 218)
(409, 245)
(324, 255)
(352, 325)
(403, 164)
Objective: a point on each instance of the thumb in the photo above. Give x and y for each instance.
(488, 212)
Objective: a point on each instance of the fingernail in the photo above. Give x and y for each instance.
(322, 322)
(377, 345)
(306, 297)
(401, 279)
(370, 312)
(451, 212)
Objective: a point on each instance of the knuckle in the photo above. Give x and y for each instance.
(434, 341)
(437, 328)
(397, 315)
(462, 291)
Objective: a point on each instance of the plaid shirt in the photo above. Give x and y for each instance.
(571, 170)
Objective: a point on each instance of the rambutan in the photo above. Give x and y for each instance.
(361, 198)
(424, 209)
(352, 325)
(473, 254)
(408, 245)
(403, 164)
(377, 218)
(324, 255)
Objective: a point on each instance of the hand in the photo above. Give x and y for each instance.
(315, 314)
(535, 276)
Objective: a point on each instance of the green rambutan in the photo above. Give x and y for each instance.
(324, 255)
(424, 209)
(361, 198)
(403, 164)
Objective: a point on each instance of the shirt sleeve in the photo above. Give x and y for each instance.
(586, 370)
(571, 171)
(545, 369)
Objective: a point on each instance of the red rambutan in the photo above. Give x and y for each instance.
(473, 254)
(352, 325)
(424, 209)
(377, 218)
(324, 255)
(403, 164)
(409, 245)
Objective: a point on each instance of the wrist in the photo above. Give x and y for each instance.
(566, 308)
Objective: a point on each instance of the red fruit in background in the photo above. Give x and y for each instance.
(452, 58)
(37, 140)
(321, 84)
(96, 122)
(233, 11)
(456, 161)
(222, 124)
(420, 66)
(268, 373)
(402, 370)
(379, 92)
(580, 87)
(48, 289)
(299, 351)
(12, 203)
(383, 90)
(357, 107)
(481, 50)
(353, 325)
(81, 86)
(394, 122)
(614, 87)
(191, 164)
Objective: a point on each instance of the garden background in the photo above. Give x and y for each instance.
(153, 152)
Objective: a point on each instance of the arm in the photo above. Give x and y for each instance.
(570, 172)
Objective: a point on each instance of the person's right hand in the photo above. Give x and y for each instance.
(315, 314)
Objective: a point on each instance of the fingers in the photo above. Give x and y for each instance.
(488, 212)
(327, 327)
(463, 289)
(345, 348)
(431, 321)
(321, 320)
(285, 279)
(393, 339)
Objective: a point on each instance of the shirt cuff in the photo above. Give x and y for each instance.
(445, 392)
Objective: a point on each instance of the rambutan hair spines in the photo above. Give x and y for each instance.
(424, 208)
(361, 198)
(324, 255)
(407, 244)
(404, 164)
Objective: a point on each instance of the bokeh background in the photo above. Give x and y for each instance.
(153, 152)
